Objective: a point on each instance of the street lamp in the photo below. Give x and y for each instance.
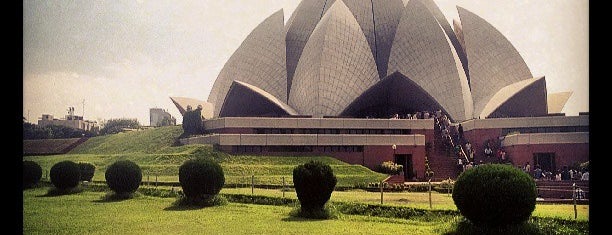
(394, 147)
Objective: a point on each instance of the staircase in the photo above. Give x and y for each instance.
(443, 166)
(442, 158)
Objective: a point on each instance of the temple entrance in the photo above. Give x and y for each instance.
(545, 160)
(406, 161)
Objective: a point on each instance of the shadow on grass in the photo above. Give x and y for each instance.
(55, 192)
(292, 218)
(327, 213)
(185, 204)
(116, 197)
(465, 227)
(183, 207)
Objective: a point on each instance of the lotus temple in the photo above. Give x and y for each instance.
(368, 81)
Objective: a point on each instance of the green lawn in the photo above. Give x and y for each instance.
(440, 201)
(268, 170)
(84, 214)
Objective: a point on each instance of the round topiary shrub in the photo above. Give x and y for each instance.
(32, 172)
(314, 182)
(123, 176)
(65, 175)
(87, 171)
(495, 195)
(201, 178)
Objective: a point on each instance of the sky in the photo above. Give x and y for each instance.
(117, 59)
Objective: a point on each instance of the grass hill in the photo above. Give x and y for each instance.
(158, 140)
(152, 150)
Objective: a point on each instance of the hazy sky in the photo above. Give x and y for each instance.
(124, 57)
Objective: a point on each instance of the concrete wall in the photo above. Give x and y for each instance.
(306, 139)
(569, 148)
(235, 131)
(582, 120)
(478, 138)
(565, 154)
(332, 123)
(546, 138)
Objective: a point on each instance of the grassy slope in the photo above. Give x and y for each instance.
(83, 214)
(152, 150)
(158, 140)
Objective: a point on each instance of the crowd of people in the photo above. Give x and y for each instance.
(456, 143)
(418, 115)
(565, 173)
(493, 152)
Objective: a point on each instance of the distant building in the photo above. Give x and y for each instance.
(70, 120)
(157, 115)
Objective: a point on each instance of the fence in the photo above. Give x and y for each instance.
(415, 194)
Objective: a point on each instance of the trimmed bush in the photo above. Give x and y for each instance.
(32, 172)
(65, 175)
(87, 171)
(201, 178)
(390, 168)
(314, 183)
(123, 176)
(494, 195)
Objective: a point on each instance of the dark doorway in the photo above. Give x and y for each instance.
(545, 160)
(406, 161)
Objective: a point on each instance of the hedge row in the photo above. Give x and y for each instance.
(349, 208)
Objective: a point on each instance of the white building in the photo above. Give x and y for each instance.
(156, 115)
(70, 120)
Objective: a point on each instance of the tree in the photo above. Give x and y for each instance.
(314, 183)
(114, 126)
(33, 131)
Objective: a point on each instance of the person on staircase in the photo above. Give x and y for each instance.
(502, 156)
(537, 173)
(469, 166)
(460, 130)
(488, 151)
(460, 165)
(468, 146)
